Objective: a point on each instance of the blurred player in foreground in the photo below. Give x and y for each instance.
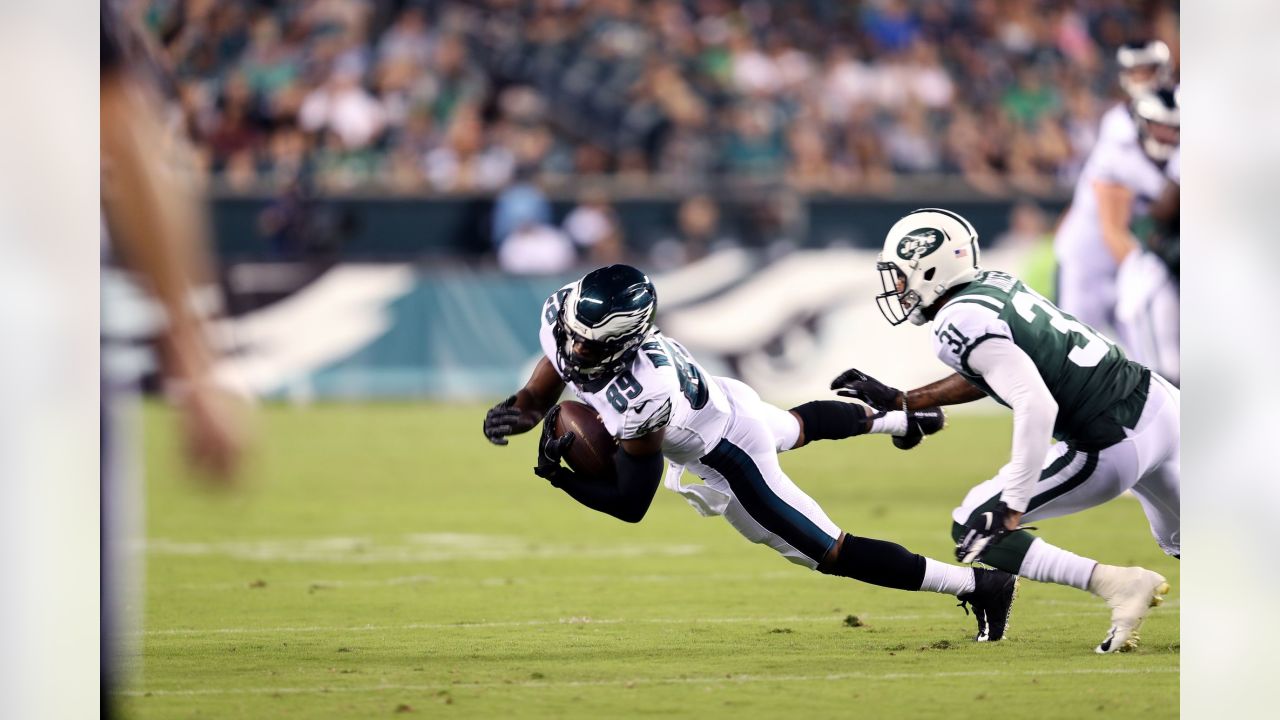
(157, 231)
(599, 338)
(1116, 421)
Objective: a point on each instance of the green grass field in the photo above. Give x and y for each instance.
(385, 559)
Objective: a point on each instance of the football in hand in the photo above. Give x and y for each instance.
(591, 454)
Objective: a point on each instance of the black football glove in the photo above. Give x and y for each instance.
(506, 419)
(920, 423)
(551, 449)
(854, 383)
(984, 532)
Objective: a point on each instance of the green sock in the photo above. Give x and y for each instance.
(1005, 555)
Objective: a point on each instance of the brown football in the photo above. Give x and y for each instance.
(591, 454)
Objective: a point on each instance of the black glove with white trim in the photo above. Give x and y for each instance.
(984, 531)
(854, 383)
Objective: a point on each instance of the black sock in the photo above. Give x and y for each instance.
(877, 562)
(831, 419)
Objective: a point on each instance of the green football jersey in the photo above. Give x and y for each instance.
(1099, 391)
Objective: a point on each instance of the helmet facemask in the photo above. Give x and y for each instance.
(585, 360)
(899, 302)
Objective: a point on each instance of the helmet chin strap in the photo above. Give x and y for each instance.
(917, 317)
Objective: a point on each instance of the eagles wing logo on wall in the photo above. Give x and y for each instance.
(920, 243)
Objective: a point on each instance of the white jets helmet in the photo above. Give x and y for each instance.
(926, 253)
(1144, 66)
(1158, 115)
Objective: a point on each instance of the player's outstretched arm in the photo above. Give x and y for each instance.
(160, 230)
(951, 390)
(638, 471)
(520, 412)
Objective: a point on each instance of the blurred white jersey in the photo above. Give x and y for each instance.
(1086, 269)
(664, 387)
(1117, 125)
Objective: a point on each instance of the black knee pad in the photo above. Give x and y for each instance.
(831, 419)
(877, 562)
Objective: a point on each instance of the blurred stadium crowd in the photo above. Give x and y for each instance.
(446, 97)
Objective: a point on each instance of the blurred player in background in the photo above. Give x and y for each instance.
(156, 230)
(1093, 237)
(1116, 421)
(1147, 295)
(598, 337)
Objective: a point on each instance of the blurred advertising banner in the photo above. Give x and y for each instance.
(354, 331)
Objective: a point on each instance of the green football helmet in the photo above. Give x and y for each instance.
(602, 322)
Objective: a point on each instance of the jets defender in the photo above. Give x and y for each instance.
(1115, 420)
(599, 337)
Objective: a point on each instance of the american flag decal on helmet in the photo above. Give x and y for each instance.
(962, 252)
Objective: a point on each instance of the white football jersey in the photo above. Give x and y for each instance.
(1117, 125)
(1117, 158)
(664, 387)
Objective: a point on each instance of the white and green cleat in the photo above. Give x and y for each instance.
(1131, 592)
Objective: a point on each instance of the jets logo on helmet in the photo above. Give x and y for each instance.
(920, 243)
(913, 273)
(602, 321)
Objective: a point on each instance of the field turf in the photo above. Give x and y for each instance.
(385, 560)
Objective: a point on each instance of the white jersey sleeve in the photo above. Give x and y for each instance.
(1110, 163)
(970, 337)
(1173, 168)
(1117, 126)
(964, 324)
(1008, 371)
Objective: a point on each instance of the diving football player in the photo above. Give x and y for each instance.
(600, 339)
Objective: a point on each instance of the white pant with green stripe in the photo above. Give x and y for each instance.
(743, 481)
(1146, 462)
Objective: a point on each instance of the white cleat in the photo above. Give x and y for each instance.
(1131, 592)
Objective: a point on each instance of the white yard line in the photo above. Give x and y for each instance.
(631, 682)
(415, 548)
(833, 618)
(499, 580)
